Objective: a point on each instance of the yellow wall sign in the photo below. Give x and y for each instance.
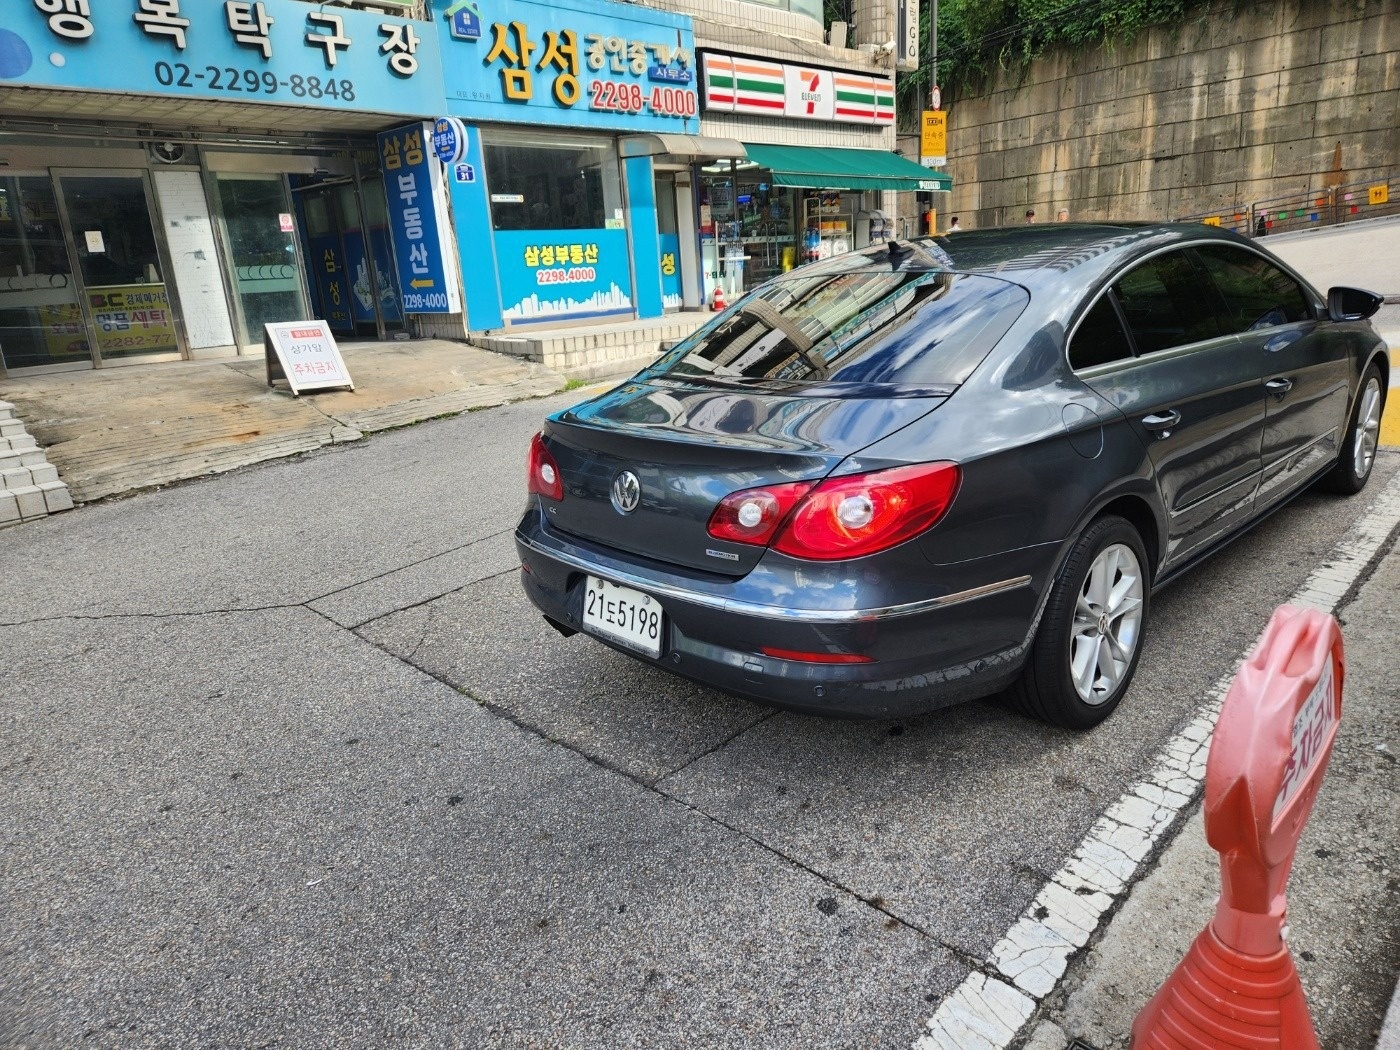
(132, 317)
(1378, 194)
(933, 138)
(1211, 220)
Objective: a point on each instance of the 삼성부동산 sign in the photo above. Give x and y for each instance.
(413, 182)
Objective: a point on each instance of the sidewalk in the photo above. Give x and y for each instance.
(116, 430)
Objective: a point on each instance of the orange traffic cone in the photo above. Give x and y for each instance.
(718, 304)
(1237, 986)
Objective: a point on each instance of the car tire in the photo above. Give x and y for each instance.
(1358, 453)
(1090, 637)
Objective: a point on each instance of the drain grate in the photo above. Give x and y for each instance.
(1080, 1044)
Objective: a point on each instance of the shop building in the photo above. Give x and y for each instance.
(811, 109)
(555, 198)
(175, 173)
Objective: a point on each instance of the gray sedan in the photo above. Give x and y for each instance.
(937, 469)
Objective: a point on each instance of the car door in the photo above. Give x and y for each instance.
(1305, 374)
(1191, 395)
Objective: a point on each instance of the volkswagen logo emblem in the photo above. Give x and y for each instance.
(626, 492)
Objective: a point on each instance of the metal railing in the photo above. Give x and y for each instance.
(1370, 199)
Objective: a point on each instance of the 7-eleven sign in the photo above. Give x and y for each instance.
(808, 93)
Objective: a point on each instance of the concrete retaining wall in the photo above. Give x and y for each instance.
(1246, 102)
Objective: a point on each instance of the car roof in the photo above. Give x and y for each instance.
(1039, 254)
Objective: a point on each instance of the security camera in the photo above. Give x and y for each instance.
(887, 48)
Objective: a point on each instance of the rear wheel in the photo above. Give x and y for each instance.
(1087, 648)
(1358, 455)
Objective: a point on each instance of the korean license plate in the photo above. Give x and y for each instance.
(630, 617)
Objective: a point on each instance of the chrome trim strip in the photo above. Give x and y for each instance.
(774, 612)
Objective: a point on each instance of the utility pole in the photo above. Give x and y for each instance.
(935, 102)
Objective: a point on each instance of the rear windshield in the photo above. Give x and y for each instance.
(918, 328)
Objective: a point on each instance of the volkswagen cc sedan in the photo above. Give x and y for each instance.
(936, 469)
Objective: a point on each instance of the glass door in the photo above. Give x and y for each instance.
(128, 307)
(670, 240)
(41, 322)
(255, 213)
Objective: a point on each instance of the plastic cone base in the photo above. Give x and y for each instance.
(1220, 998)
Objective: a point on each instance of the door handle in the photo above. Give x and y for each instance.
(1162, 421)
(1279, 387)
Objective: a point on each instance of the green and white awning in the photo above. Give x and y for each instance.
(828, 168)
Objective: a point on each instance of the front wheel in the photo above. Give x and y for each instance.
(1358, 455)
(1087, 648)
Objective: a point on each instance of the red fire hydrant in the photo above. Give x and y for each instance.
(1237, 986)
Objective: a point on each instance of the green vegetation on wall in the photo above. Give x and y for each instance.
(978, 38)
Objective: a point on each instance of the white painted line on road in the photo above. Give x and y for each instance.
(988, 1009)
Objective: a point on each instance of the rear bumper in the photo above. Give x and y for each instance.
(940, 649)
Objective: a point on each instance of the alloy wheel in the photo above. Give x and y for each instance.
(1368, 427)
(1107, 624)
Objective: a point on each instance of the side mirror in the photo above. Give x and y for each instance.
(1352, 304)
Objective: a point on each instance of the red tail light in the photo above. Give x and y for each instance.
(847, 517)
(753, 515)
(543, 474)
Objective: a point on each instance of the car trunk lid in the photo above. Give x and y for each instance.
(690, 446)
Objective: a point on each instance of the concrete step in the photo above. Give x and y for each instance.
(584, 351)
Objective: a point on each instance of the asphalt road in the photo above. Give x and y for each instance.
(287, 759)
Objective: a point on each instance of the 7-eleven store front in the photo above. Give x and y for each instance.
(818, 176)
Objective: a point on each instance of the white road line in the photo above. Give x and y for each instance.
(989, 1008)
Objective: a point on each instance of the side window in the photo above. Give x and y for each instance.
(1167, 303)
(1100, 337)
(1257, 293)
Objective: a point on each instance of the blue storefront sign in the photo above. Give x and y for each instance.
(274, 52)
(413, 184)
(549, 274)
(576, 63)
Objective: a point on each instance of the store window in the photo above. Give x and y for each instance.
(559, 225)
(749, 227)
(539, 182)
(811, 8)
(40, 320)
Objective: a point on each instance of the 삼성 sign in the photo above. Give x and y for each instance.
(305, 355)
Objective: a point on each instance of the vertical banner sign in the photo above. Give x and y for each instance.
(413, 183)
(933, 138)
(906, 42)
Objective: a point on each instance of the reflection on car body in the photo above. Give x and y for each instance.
(935, 469)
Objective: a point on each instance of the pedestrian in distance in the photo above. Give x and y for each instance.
(1062, 215)
(954, 226)
(1030, 215)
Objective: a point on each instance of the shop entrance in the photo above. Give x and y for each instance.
(255, 218)
(345, 237)
(113, 307)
